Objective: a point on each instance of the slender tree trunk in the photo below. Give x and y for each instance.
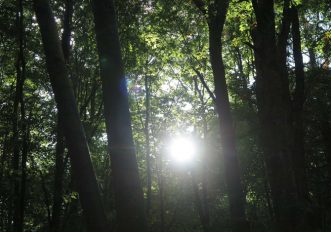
(326, 135)
(273, 100)
(199, 204)
(14, 209)
(19, 182)
(58, 180)
(46, 201)
(205, 161)
(82, 168)
(245, 92)
(161, 194)
(228, 140)
(66, 35)
(25, 150)
(129, 201)
(148, 146)
(267, 196)
(297, 108)
(312, 58)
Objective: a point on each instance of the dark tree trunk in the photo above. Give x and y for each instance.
(15, 159)
(273, 100)
(66, 35)
(217, 15)
(58, 180)
(25, 150)
(312, 58)
(160, 181)
(326, 135)
(148, 146)
(46, 200)
(129, 201)
(297, 108)
(267, 196)
(82, 168)
(60, 143)
(205, 164)
(19, 175)
(245, 92)
(199, 204)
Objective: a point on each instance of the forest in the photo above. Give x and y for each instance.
(165, 116)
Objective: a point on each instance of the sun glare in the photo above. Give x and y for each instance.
(182, 150)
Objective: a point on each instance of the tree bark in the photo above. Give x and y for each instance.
(326, 136)
(25, 150)
(274, 112)
(298, 158)
(19, 170)
(60, 143)
(205, 161)
(82, 168)
(217, 15)
(148, 146)
(199, 204)
(160, 180)
(129, 201)
(58, 180)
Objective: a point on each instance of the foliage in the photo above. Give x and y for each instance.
(164, 41)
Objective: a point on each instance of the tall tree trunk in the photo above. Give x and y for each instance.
(217, 15)
(14, 215)
(129, 201)
(60, 143)
(66, 34)
(326, 136)
(25, 144)
(25, 150)
(245, 92)
(297, 108)
(160, 180)
(273, 100)
(205, 161)
(82, 168)
(148, 146)
(58, 180)
(312, 58)
(19, 181)
(199, 204)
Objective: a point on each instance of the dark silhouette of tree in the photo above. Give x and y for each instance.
(127, 188)
(82, 169)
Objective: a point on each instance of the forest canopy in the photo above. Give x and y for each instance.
(165, 115)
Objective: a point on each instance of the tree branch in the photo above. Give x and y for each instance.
(202, 79)
(200, 5)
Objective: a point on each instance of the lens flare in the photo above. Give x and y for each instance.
(182, 150)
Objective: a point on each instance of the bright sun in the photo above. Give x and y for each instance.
(182, 150)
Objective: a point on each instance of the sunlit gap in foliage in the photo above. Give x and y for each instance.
(182, 150)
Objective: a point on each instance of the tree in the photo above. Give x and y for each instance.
(60, 143)
(273, 100)
(297, 105)
(73, 131)
(127, 188)
(216, 18)
(275, 81)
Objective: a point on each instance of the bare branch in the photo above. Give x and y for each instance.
(202, 79)
(250, 45)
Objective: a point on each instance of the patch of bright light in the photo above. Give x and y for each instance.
(187, 106)
(182, 150)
